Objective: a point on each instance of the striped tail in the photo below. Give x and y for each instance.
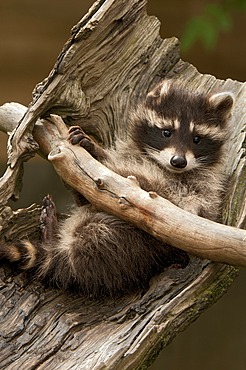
(23, 253)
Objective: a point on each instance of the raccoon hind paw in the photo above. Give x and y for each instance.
(48, 220)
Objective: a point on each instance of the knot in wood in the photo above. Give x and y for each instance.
(153, 194)
(133, 180)
(123, 203)
(99, 183)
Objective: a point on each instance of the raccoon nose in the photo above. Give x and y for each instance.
(178, 161)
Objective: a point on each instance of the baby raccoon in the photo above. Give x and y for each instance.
(175, 146)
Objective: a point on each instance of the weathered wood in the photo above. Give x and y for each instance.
(114, 56)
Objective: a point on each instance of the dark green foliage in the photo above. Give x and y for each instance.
(206, 28)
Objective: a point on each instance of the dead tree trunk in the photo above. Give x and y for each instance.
(114, 56)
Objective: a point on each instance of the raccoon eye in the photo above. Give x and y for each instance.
(197, 139)
(166, 133)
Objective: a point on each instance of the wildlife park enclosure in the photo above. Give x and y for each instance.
(113, 58)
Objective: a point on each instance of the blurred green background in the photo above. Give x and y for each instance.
(32, 34)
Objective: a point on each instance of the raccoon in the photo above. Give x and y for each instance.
(175, 146)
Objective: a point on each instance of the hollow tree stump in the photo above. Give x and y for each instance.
(114, 56)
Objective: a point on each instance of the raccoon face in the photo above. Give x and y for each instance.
(182, 131)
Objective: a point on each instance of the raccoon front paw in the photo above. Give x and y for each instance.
(77, 136)
(48, 220)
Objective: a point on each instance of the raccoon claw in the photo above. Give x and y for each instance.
(48, 220)
(77, 136)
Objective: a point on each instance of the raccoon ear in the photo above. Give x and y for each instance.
(165, 87)
(222, 103)
(161, 89)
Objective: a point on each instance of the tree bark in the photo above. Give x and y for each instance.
(45, 328)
